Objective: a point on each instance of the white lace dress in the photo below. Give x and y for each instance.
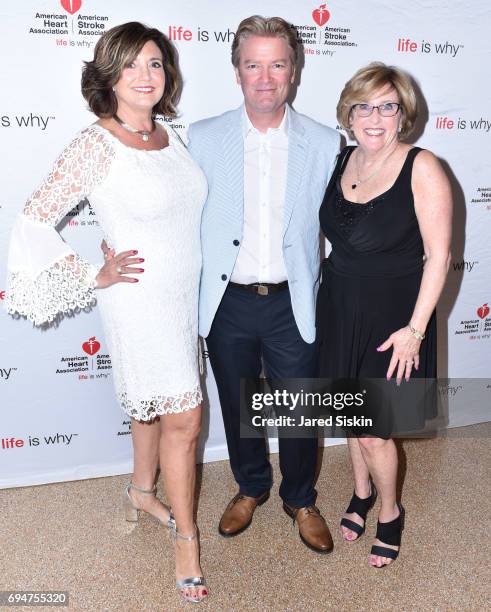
(150, 201)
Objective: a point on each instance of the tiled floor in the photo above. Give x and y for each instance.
(72, 536)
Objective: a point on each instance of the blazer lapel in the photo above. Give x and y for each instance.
(297, 158)
(233, 153)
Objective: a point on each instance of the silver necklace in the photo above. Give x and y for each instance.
(358, 180)
(145, 134)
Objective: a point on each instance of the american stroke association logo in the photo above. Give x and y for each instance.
(483, 311)
(88, 366)
(320, 39)
(321, 15)
(477, 328)
(91, 347)
(67, 21)
(72, 6)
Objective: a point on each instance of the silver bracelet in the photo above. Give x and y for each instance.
(416, 333)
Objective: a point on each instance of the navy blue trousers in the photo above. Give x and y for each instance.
(246, 328)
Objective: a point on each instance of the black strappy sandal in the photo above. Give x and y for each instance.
(361, 508)
(389, 533)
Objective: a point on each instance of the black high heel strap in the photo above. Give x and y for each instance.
(381, 551)
(358, 529)
(390, 533)
(362, 506)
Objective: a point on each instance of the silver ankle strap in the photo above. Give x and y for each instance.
(151, 491)
(183, 537)
(171, 523)
(194, 581)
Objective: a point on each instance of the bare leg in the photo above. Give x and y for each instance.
(179, 435)
(146, 439)
(362, 485)
(381, 459)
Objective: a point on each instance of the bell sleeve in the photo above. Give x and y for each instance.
(45, 277)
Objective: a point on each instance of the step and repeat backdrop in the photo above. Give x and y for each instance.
(58, 416)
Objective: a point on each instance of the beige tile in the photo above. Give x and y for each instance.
(72, 536)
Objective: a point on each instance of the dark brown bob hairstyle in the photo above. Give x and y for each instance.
(114, 50)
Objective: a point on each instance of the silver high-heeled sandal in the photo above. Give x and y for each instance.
(193, 581)
(131, 511)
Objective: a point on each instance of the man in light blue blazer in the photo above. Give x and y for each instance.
(267, 169)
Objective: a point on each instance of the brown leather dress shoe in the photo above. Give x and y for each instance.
(313, 529)
(238, 514)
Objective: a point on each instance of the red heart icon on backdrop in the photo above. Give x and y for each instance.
(91, 346)
(71, 6)
(321, 15)
(483, 311)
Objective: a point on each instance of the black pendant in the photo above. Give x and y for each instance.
(354, 186)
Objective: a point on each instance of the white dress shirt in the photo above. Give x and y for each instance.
(260, 257)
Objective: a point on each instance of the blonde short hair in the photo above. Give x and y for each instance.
(371, 79)
(272, 27)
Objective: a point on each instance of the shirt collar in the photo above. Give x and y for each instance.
(248, 128)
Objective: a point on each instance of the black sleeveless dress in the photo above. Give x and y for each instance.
(370, 283)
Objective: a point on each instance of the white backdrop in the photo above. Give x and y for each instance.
(59, 419)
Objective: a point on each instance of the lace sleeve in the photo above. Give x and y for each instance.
(45, 276)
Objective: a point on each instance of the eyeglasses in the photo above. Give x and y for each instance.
(389, 109)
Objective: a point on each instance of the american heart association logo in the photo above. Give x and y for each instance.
(321, 15)
(71, 6)
(91, 346)
(483, 311)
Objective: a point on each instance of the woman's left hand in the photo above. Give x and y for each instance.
(405, 353)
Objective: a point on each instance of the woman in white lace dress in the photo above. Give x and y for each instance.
(148, 195)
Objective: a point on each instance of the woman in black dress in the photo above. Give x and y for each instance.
(387, 214)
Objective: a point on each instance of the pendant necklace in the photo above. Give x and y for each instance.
(145, 134)
(358, 180)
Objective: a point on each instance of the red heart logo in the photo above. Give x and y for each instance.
(321, 15)
(71, 6)
(483, 311)
(91, 346)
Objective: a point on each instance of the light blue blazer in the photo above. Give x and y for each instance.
(217, 144)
